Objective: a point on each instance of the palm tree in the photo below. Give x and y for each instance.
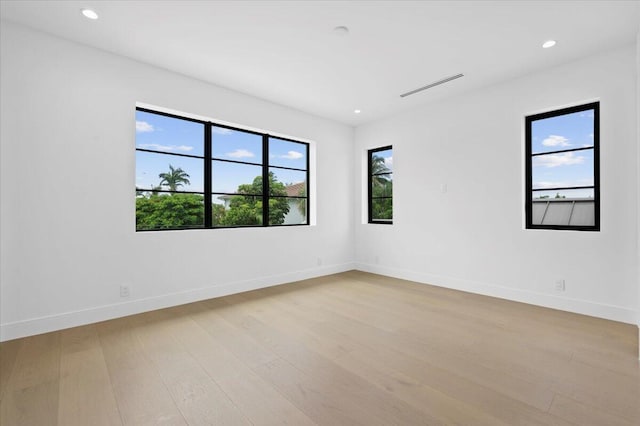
(175, 178)
(379, 170)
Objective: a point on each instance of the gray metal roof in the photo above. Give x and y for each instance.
(564, 211)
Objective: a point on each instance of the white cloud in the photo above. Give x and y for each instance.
(240, 153)
(556, 140)
(292, 155)
(556, 160)
(548, 184)
(143, 127)
(170, 148)
(220, 130)
(388, 162)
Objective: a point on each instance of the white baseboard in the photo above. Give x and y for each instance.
(600, 310)
(30, 327)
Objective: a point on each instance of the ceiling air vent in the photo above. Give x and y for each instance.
(435, 83)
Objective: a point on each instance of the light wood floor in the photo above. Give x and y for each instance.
(347, 349)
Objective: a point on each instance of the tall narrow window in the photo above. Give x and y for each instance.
(197, 174)
(236, 177)
(380, 185)
(288, 182)
(562, 169)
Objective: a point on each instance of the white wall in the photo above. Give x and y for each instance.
(472, 237)
(67, 222)
(638, 173)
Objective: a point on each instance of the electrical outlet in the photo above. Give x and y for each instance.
(124, 291)
(560, 285)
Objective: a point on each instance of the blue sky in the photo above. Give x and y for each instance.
(568, 131)
(171, 135)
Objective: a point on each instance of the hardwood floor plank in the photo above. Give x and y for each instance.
(86, 394)
(8, 356)
(140, 393)
(195, 393)
(240, 344)
(438, 407)
(256, 399)
(376, 405)
(582, 414)
(32, 394)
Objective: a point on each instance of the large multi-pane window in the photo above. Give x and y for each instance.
(197, 174)
(562, 169)
(380, 185)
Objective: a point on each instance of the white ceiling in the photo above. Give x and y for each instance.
(287, 52)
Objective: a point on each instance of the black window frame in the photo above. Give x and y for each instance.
(529, 155)
(370, 196)
(208, 159)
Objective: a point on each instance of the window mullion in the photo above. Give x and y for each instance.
(265, 180)
(370, 187)
(207, 175)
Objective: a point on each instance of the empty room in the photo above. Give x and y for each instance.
(319, 213)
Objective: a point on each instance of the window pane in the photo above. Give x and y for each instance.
(583, 213)
(287, 211)
(572, 194)
(287, 154)
(170, 172)
(236, 210)
(236, 145)
(382, 185)
(382, 209)
(557, 213)
(168, 134)
(382, 161)
(169, 211)
(567, 208)
(236, 178)
(562, 132)
(287, 182)
(539, 208)
(564, 169)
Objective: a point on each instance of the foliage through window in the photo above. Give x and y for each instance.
(197, 174)
(380, 185)
(562, 169)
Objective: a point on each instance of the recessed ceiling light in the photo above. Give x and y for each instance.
(341, 30)
(90, 14)
(549, 43)
(357, 111)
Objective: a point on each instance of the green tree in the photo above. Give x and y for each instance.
(169, 211)
(246, 210)
(155, 210)
(218, 213)
(174, 178)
